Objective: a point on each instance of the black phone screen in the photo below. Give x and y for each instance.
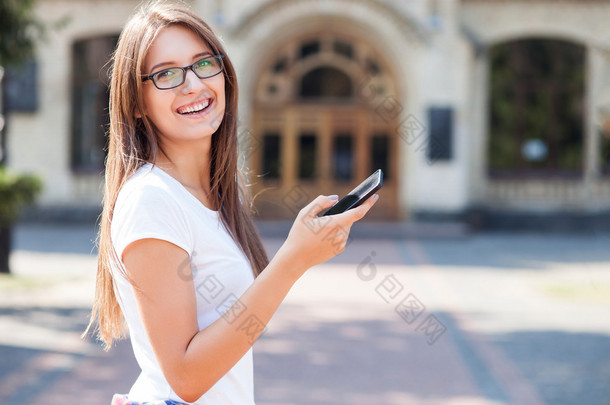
(358, 195)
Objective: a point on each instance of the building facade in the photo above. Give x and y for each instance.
(465, 104)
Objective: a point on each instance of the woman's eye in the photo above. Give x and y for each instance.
(167, 74)
(203, 64)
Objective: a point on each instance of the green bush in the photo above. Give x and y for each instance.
(16, 191)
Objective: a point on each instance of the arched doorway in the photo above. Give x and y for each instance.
(317, 133)
(537, 89)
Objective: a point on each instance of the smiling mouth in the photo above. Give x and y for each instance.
(195, 108)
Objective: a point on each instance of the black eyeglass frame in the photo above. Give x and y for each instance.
(151, 76)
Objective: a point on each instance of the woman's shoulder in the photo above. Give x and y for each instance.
(147, 178)
(148, 207)
(147, 185)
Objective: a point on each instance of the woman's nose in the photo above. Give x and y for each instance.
(192, 82)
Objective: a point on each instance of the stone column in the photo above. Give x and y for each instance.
(480, 128)
(591, 142)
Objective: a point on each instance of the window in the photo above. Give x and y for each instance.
(317, 68)
(380, 153)
(21, 87)
(343, 48)
(326, 82)
(271, 156)
(310, 48)
(536, 108)
(90, 102)
(280, 65)
(307, 157)
(372, 67)
(343, 157)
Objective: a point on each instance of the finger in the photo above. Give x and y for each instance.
(319, 204)
(355, 214)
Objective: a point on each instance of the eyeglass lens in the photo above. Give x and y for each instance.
(173, 77)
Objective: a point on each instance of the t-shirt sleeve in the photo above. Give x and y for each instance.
(146, 212)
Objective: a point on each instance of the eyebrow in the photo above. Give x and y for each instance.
(173, 64)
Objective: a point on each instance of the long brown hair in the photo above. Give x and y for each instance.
(133, 142)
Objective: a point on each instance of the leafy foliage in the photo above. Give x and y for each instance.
(18, 31)
(15, 192)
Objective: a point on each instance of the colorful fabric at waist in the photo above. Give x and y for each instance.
(119, 399)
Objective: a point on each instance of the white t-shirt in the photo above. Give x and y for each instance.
(152, 204)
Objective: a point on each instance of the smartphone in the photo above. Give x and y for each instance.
(358, 195)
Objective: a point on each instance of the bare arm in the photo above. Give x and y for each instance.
(193, 360)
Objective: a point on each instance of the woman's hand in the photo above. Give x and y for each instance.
(313, 240)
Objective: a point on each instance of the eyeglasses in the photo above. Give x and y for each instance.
(172, 77)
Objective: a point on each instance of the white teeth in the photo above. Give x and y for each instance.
(194, 107)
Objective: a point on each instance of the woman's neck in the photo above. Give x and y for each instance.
(191, 167)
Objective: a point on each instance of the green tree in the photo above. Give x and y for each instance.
(19, 31)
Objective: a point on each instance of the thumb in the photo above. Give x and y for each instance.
(320, 204)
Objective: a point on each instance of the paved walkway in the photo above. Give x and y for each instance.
(477, 320)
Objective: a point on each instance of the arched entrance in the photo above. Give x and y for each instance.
(536, 155)
(317, 133)
(537, 89)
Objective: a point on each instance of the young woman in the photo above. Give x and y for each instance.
(179, 257)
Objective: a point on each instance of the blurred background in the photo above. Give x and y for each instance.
(487, 118)
(475, 110)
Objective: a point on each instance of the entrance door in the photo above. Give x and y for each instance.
(307, 150)
(315, 133)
